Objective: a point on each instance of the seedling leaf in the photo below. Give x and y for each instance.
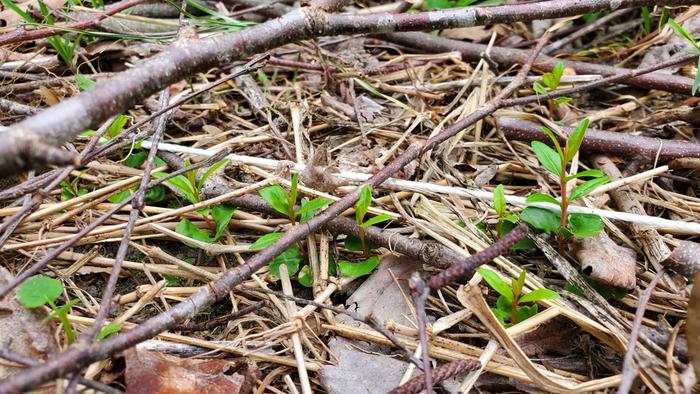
(108, 330)
(376, 220)
(585, 225)
(574, 142)
(680, 30)
(541, 219)
(290, 257)
(541, 197)
(517, 284)
(189, 230)
(210, 171)
(265, 241)
(363, 203)
(586, 174)
(537, 295)
(222, 217)
(305, 277)
(277, 197)
(355, 270)
(499, 200)
(313, 205)
(39, 290)
(547, 157)
(525, 312)
(496, 283)
(587, 187)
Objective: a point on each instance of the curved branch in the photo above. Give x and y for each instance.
(61, 123)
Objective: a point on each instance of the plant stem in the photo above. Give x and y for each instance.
(513, 310)
(564, 201)
(361, 234)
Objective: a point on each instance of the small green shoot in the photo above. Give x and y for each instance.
(507, 220)
(284, 202)
(70, 188)
(509, 305)
(555, 161)
(41, 290)
(551, 82)
(695, 51)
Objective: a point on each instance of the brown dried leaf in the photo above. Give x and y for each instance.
(693, 326)
(153, 373)
(606, 261)
(29, 336)
(685, 259)
(473, 33)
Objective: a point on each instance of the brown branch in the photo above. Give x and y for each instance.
(439, 374)
(604, 141)
(507, 57)
(629, 372)
(20, 34)
(61, 123)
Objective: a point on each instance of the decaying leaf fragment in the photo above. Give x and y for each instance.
(152, 372)
(693, 326)
(605, 261)
(685, 259)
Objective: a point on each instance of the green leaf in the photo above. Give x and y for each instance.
(574, 142)
(555, 141)
(156, 193)
(117, 125)
(305, 276)
(265, 241)
(210, 171)
(646, 19)
(355, 270)
(313, 205)
(290, 257)
(499, 200)
(517, 284)
(681, 31)
(557, 72)
(696, 82)
(563, 100)
(108, 330)
(587, 187)
(354, 244)
(276, 196)
(332, 266)
(525, 312)
(547, 157)
(376, 220)
(538, 294)
(182, 184)
(11, 5)
(221, 214)
(501, 315)
(586, 174)
(119, 197)
(189, 230)
(585, 225)
(496, 283)
(503, 304)
(538, 88)
(39, 290)
(511, 218)
(136, 160)
(363, 203)
(293, 190)
(83, 82)
(549, 81)
(542, 219)
(541, 197)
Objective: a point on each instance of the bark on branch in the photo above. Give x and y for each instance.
(61, 123)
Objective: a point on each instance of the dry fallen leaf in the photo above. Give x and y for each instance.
(153, 373)
(605, 261)
(685, 259)
(693, 326)
(30, 337)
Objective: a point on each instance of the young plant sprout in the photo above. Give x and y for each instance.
(555, 161)
(509, 305)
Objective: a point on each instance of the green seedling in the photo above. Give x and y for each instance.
(555, 161)
(60, 43)
(551, 82)
(70, 188)
(361, 208)
(509, 305)
(191, 188)
(41, 290)
(695, 51)
(284, 202)
(507, 220)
